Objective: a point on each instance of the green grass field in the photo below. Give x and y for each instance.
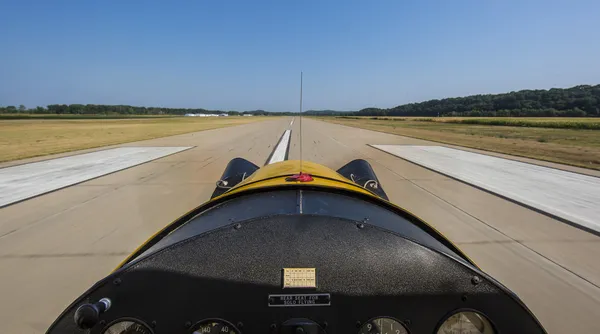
(21, 139)
(561, 140)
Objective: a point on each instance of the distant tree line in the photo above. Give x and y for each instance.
(102, 109)
(265, 113)
(578, 101)
(99, 109)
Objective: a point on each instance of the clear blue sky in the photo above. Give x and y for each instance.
(244, 55)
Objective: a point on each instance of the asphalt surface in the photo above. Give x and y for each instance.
(53, 247)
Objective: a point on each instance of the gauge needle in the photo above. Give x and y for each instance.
(476, 320)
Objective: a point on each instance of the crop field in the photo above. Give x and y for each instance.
(568, 123)
(572, 141)
(21, 139)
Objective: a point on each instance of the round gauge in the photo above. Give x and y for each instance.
(466, 322)
(383, 325)
(214, 326)
(127, 326)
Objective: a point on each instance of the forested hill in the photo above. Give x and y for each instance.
(578, 101)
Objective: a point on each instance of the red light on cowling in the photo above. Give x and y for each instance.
(302, 177)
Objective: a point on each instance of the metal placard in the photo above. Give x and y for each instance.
(299, 278)
(314, 299)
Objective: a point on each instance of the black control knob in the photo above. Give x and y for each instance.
(301, 326)
(88, 315)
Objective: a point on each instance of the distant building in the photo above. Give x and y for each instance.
(205, 115)
(248, 115)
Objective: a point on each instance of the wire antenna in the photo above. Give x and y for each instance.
(300, 122)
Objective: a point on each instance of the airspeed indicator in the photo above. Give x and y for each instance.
(214, 326)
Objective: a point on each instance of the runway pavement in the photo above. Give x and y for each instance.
(21, 182)
(569, 196)
(54, 246)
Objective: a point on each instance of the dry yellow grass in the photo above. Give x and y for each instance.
(21, 139)
(568, 146)
(579, 123)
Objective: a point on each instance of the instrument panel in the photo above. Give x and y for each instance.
(346, 276)
(462, 322)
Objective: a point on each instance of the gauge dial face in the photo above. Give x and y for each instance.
(383, 325)
(128, 326)
(214, 326)
(466, 323)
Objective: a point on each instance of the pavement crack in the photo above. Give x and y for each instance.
(153, 175)
(488, 242)
(109, 191)
(9, 232)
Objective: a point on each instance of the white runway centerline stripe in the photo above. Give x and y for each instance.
(21, 182)
(281, 150)
(570, 196)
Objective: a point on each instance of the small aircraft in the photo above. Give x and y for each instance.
(295, 247)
